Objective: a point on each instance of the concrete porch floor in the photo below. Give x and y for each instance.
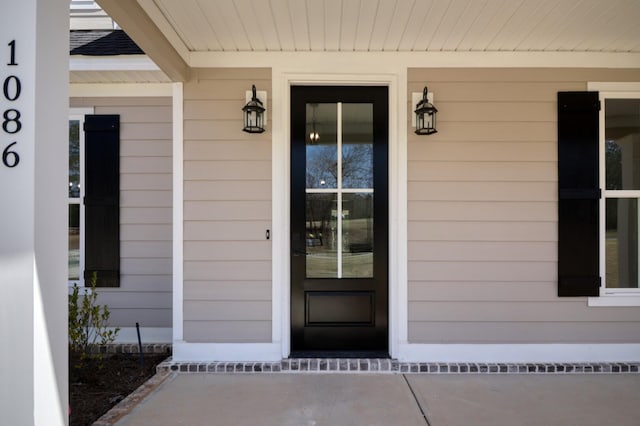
(390, 399)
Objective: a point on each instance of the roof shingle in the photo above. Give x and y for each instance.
(102, 43)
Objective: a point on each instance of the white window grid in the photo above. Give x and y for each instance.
(611, 194)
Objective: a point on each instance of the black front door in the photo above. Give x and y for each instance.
(339, 220)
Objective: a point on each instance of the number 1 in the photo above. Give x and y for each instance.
(12, 45)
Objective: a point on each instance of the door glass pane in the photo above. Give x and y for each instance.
(74, 241)
(621, 247)
(74, 158)
(357, 145)
(622, 136)
(357, 235)
(321, 235)
(322, 145)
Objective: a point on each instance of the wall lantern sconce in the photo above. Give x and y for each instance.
(254, 112)
(425, 113)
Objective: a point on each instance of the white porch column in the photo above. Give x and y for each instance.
(33, 213)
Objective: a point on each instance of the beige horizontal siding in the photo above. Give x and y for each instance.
(485, 191)
(228, 170)
(227, 310)
(482, 211)
(482, 231)
(146, 182)
(145, 232)
(228, 290)
(152, 317)
(228, 250)
(227, 210)
(256, 270)
(524, 332)
(240, 210)
(135, 199)
(140, 148)
(226, 150)
(496, 131)
(144, 295)
(225, 231)
(482, 271)
(484, 251)
(481, 291)
(145, 249)
(150, 282)
(487, 171)
(227, 331)
(557, 311)
(146, 215)
(239, 190)
(149, 164)
(479, 151)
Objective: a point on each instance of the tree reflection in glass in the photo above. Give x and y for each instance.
(339, 182)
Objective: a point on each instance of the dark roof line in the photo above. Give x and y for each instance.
(102, 43)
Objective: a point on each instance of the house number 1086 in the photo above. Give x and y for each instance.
(11, 124)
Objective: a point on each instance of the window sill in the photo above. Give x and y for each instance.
(613, 299)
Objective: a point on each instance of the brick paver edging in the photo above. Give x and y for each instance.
(331, 365)
(132, 348)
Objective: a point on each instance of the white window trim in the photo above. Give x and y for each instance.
(611, 296)
(78, 114)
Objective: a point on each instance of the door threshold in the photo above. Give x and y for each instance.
(340, 354)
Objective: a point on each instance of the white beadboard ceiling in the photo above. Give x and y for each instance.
(398, 25)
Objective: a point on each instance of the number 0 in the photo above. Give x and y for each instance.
(17, 88)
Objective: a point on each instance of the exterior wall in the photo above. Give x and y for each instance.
(227, 210)
(482, 211)
(144, 294)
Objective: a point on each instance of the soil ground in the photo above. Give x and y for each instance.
(98, 385)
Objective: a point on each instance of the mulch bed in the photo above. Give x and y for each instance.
(98, 385)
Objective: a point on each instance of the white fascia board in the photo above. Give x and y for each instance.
(120, 90)
(379, 61)
(112, 63)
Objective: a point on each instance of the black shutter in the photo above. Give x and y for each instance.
(578, 194)
(102, 199)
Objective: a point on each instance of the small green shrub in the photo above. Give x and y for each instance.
(88, 323)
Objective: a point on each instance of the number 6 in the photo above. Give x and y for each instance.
(7, 154)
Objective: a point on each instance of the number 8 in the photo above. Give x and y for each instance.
(15, 119)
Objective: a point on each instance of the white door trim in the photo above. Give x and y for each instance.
(281, 279)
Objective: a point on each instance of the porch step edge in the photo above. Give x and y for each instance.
(390, 366)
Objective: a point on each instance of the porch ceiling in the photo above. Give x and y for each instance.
(189, 31)
(398, 25)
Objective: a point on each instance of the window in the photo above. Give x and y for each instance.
(598, 193)
(620, 179)
(75, 195)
